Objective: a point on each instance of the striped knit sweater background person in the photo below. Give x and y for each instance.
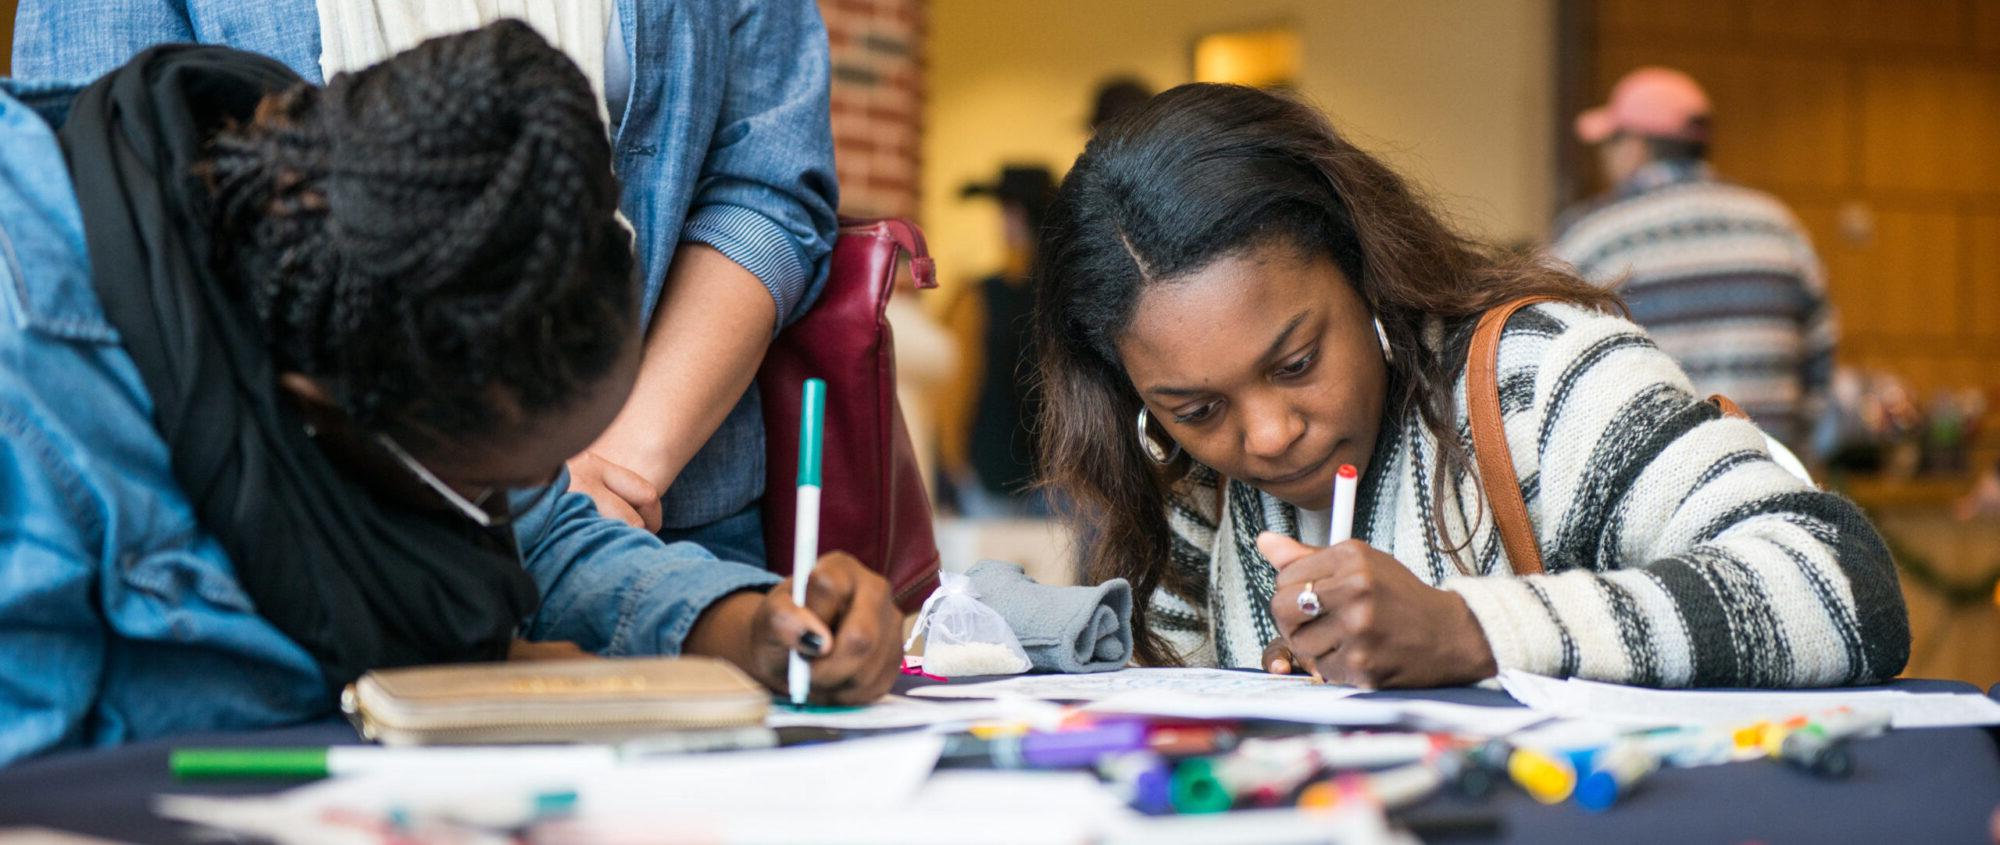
(1678, 553)
(1724, 279)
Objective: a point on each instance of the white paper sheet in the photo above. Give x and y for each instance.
(897, 711)
(1306, 708)
(1103, 685)
(1651, 707)
(1196, 693)
(990, 808)
(864, 776)
(1352, 823)
(876, 774)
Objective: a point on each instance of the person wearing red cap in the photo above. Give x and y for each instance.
(1722, 276)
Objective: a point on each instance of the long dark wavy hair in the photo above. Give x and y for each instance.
(1200, 172)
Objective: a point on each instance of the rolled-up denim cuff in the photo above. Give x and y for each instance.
(761, 246)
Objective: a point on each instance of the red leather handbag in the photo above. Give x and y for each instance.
(874, 504)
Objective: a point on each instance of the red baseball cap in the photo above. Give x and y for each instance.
(1652, 102)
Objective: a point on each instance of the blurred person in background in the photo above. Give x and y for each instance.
(1005, 408)
(722, 142)
(1116, 96)
(1722, 276)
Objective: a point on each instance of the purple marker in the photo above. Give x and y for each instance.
(1077, 749)
(1141, 779)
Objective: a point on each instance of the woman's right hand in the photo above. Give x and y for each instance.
(849, 631)
(619, 492)
(1278, 659)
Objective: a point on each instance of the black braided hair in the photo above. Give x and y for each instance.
(433, 237)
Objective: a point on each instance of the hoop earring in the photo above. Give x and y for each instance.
(1383, 337)
(1154, 451)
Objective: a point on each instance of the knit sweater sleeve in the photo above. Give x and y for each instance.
(1677, 552)
(1193, 514)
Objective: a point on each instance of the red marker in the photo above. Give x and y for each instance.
(1342, 524)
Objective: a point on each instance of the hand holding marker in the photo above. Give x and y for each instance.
(1339, 529)
(805, 534)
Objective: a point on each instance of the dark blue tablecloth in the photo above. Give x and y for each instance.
(1939, 785)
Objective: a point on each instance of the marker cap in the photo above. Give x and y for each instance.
(812, 430)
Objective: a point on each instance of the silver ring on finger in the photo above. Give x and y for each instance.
(1309, 602)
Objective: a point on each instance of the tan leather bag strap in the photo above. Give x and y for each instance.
(1489, 438)
(1728, 406)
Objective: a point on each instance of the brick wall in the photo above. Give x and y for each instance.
(877, 48)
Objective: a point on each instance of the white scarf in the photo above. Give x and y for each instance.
(357, 33)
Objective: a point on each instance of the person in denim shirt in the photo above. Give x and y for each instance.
(721, 135)
(287, 383)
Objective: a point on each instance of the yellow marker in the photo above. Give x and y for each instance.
(1544, 778)
(1324, 795)
(995, 730)
(1751, 736)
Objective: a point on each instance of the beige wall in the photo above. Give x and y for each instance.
(1457, 93)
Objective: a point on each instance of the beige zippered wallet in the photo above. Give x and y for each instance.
(552, 701)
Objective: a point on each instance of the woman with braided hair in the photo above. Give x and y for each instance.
(288, 383)
(721, 137)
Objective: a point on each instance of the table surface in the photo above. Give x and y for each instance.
(1939, 785)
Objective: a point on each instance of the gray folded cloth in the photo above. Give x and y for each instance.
(1063, 629)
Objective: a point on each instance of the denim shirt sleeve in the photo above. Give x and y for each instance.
(85, 39)
(614, 589)
(767, 193)
(52, 643)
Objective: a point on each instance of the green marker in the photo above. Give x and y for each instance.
(275, 763)
(805, 533)
(309, 763)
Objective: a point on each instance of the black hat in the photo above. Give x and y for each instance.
(1030, 186)
(1116, 96)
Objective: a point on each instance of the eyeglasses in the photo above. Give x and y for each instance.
(475, 507)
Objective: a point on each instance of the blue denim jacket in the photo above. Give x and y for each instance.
(120, 617)
(725, 140)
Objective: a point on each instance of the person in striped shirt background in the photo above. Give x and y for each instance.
(1722, 276)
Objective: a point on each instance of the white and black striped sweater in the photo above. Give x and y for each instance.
(1678, 553)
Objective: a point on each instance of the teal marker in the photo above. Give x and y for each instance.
(1195, 788)
(805, 533)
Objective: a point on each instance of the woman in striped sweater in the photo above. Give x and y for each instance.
(1269, 303)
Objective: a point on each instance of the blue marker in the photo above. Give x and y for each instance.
(1618, 771)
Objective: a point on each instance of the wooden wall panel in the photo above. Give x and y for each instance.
(1688, 18)
(1898, 292)
(1986, 27)
(7, 8)
(1909, 276)
(1900, 23)
(1982, 284)
(1844, 260)
(1778, 123)
(1930, 127)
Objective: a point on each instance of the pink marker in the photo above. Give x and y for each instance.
(1342, 527)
